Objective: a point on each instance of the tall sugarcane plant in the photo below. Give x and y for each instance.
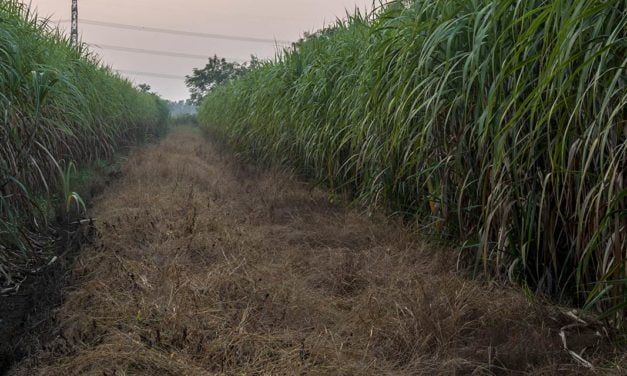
(497, 122)
(59, 108)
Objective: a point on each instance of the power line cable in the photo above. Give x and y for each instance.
(182, 32)
(155, 52)
(151, 74)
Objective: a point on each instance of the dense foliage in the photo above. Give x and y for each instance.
(181, 107)
(216, 72)
(59, 108)
(500, 122)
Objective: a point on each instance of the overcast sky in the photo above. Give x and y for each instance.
(266, 19)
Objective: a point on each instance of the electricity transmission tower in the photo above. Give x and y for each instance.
(74, 34)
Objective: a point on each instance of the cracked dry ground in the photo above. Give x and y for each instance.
(203, 265)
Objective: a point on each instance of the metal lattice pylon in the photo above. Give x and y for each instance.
(74, 34)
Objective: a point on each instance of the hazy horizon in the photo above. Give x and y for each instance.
(272, 19)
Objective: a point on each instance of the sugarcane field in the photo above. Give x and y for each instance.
(313, 187)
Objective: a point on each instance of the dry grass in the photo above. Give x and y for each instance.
(205, 266)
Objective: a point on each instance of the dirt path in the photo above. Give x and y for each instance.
(204, 266)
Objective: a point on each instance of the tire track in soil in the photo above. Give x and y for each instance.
(204, 265)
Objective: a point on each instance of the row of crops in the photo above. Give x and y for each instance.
(60, 109)
(500, 123)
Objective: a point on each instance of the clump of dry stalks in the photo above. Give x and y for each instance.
(205, 266)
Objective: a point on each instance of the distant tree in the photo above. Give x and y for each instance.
(181, 107)
(145, 88)
(218, 71)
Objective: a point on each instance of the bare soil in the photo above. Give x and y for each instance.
(205, 265)
(25, 316)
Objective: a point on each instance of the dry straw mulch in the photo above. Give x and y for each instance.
(203, 265)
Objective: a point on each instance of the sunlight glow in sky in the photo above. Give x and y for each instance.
(268, 19)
